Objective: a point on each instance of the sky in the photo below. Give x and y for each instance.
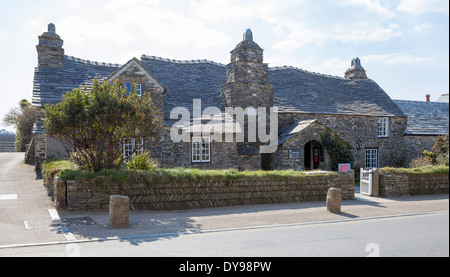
(403, 44)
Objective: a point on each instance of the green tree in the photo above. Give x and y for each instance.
(96, 121)
(22, 118)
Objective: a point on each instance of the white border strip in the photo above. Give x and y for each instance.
(8, 196)
(64, 230)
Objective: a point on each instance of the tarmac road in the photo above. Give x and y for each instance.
(23, 197)
(27, 226)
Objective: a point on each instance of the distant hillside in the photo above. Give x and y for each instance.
(7, 140)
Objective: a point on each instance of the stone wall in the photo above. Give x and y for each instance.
(392, 185)
(359, 131)
(400, 184)
(93, 195)
(39, 146)
(134, 74)
(415, 145)
(224, 155)
(283, 159)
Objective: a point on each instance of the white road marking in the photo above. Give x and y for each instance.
(8, 196)
(64, 230)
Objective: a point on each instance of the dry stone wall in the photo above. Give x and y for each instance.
(400, 184)
(94, 195)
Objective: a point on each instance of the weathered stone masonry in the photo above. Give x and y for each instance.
(184, 194)
(349, 106)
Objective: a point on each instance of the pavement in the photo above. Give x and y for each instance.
(28, 217)
(152, 223)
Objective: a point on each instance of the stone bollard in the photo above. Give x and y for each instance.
(334, 200)
(59, 193)
(119, 211)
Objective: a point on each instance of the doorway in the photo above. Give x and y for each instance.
(314, 158)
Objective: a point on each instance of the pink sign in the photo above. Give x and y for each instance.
(344, 167)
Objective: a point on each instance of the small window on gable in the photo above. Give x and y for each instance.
(138, 89)
(383, 127)
(129, 88)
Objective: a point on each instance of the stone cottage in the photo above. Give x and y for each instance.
(306, 105)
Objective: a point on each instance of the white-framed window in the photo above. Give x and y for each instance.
(201, 149)
(371, 158)
(383, 127)
(129, 88)
(139, 89)
(130, 144)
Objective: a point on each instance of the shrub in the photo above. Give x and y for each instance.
(442, 159)
(338, 151)
(141, 161)
(96, 121)
(430, 156)
(22, 118)
(419, 162)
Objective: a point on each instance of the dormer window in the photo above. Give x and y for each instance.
(383, 127)
(129, 88)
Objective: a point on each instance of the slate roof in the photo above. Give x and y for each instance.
(295, 90)
(287, 132)
(290, 131)
(50, 83)
(188, 80)
(425, 118)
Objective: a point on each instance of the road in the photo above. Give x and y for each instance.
(22, 198)
(397, 236)
(409, 226)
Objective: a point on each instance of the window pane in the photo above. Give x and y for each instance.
(383, 127)
(201, 149)
(196, 149)
(206, 146)
(128, 87)
(138, 89)
(371, 158)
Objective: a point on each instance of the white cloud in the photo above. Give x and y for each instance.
(335, 66)
(116, 5)
(396, 58)
(238, 9)
(372, 5)
(423, 6)
(367, 32)
(73, 3)
(135, 23)
(422, 27)
(299, 36)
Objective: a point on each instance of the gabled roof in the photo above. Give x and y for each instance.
(425, 118)
(300, 91)
(141, 67)
(288, 132)
(295, 90)
(51, 83)
(188, 80)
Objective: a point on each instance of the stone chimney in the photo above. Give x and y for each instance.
(50, 51)
(247, 87)
(356, 71)
(247, 76)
